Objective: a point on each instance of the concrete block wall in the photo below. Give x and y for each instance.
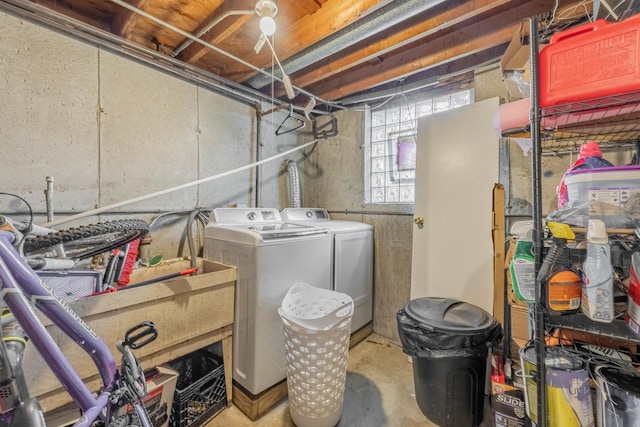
(109, 129)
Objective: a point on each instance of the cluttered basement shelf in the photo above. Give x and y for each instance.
(613, 121)
(177, 307)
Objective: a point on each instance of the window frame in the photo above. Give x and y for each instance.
(391, 139)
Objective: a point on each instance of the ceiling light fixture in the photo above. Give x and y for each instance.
(266, 10)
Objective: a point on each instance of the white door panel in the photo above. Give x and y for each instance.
(457, 167)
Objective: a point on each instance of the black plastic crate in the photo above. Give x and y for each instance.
(200, 391)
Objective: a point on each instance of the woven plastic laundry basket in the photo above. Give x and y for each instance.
(317, 325)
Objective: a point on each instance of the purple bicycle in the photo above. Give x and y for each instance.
(22, 289)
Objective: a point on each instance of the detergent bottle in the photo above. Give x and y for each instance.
(597, 277)
(590, 157)
(522, 266)
(557, 276)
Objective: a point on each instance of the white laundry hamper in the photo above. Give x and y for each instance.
(317, 326)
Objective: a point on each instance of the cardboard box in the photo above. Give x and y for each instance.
(161, 385)
(515, 66)
(498, 235)
(520, 323)
(519, 330)
(508, 405)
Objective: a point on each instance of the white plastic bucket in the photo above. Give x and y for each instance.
(610, 186)
(317, 326)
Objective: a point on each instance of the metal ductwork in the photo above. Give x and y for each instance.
(387, 16)
(293, 184)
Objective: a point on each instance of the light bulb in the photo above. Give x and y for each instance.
(267, 25)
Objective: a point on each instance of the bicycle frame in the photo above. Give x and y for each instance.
(19, 285)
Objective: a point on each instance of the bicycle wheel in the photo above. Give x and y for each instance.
(87, 240)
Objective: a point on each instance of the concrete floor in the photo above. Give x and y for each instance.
(379, 392)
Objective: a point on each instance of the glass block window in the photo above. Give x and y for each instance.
(391, 147)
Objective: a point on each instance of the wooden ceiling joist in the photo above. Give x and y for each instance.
(330, 48)
(125, 21)
(441, 72)
(333, 16)
(467, 40)
(216, 36)
(368, 51)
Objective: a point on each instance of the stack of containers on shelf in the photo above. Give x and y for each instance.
(588, 73)
(557, 275)
(597, 277)
(590, 157)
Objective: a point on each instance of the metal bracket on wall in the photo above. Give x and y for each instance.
(325, 130)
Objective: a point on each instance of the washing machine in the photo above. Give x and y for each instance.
(351, 263)
(270, 256)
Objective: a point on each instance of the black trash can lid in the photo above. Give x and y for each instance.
(450, 316)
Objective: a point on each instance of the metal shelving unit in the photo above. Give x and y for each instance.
(615, 123)
(616, 330)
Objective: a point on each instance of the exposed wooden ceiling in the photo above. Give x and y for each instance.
(333, 49)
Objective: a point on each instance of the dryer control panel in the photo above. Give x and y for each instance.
(304, 214)
(245, 215)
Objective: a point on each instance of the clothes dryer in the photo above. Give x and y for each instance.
(351, 263)
(270, 256)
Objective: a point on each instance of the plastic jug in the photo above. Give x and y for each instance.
(557, 276)
(522, 266)
(590, 157)
(597, 277)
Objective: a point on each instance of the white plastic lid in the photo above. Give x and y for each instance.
(596, 232)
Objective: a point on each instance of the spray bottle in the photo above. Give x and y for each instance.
(597, 277)
(522, 266)
(557, 276)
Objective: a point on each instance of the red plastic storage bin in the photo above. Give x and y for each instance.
(591, 61)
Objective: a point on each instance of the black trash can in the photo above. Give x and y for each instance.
(449, 342)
